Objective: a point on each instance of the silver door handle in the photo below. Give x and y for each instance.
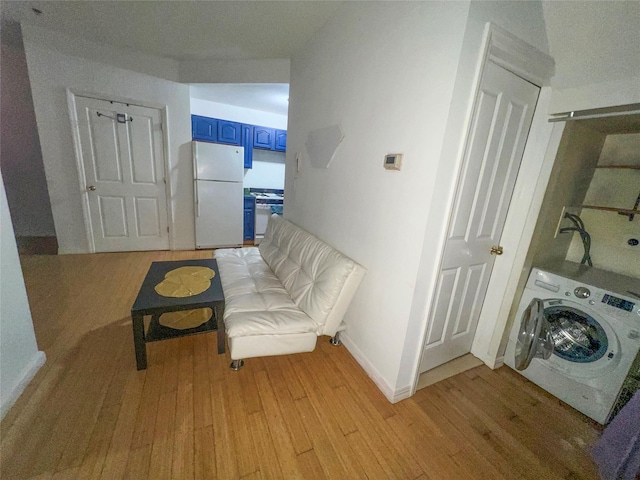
(91, 188)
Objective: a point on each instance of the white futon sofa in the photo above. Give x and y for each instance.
(281, 296)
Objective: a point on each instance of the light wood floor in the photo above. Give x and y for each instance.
(90, 414)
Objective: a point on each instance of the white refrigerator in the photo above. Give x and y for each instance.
(219, 195)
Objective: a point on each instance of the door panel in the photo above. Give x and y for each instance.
(123, 169)
(503, 113)
(113, 216)
(147, 217)
(444, 295)
(142, 154)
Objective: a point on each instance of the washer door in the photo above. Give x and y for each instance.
(577, 336)
(534, 336)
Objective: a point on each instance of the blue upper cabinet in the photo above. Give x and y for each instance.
(204, 128)
(247, 143)
(264, 137)
(215, 130)
(229, 132)
(280, 140)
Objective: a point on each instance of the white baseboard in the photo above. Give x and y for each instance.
(27, 375)
(184, 246)
(498, 363)
(392, 395)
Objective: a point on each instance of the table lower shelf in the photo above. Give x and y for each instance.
(157, 332)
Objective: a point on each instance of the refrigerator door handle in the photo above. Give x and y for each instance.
(195, 186)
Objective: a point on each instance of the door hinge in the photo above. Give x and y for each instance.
(167, 229)
(164, 180)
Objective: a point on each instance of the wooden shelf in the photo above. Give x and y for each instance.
(630, 167)
(612, 209)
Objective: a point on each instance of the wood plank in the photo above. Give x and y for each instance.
(238, 424)
(322, 445)
(280, 380)
(282, 444)
(226, 455)
(310, 466)
(329, 423)
(138, 463)
(263, 443)
(163, 437)
(205, 455)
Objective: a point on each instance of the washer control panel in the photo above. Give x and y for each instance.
(618, 302)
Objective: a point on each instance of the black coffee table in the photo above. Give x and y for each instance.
(149, 302)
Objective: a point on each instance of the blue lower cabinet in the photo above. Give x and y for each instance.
(280, 140)
(263, 137)
(204, 128)
(229, 132)
(249, 217)
(247, 143)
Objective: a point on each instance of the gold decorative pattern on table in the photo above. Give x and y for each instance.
(185, 282)
(186, 319)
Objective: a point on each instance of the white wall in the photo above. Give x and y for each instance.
(267, 171)
(20, 156)
(268, 167)
(235, 71)
(390, 93)
(52, 72)
(19, 355)
(595, 45)
(207, 108)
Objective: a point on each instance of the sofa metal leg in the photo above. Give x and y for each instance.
(335, 340)
(236, 365)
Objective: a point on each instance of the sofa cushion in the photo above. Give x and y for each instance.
(256, 303)
(311, 271)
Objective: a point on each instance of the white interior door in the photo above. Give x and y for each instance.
(123, 168)
(502, 117)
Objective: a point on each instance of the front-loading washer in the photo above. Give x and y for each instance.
(575, 340)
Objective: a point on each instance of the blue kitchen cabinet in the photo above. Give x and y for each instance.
(280, 140)
(249, 217)
(204, 128)
(229, 132)
(247, 143)
(264, 137)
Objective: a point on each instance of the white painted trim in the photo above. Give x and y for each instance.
(164, 113)
(392, 395)
(28, 373)
(519, 57)
(534, 66)
(77, 148)
(164, 118)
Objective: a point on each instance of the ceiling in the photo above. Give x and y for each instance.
(184, 30)
(268, 97)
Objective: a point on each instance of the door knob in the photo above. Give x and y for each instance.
(91, 188)
(496, 250)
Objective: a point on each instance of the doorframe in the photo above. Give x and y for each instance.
(536, 67)
(164, 118)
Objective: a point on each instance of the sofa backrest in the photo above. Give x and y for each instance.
(320, 280)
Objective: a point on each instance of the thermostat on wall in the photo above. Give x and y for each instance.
(393, 161)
